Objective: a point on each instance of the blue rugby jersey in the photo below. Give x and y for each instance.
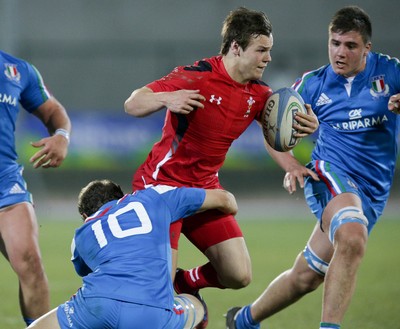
(357, 132)
(20, 83)
(123, 250)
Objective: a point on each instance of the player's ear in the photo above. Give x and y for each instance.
(235, 48)
(368, 48)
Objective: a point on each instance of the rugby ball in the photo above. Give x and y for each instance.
(278, 118)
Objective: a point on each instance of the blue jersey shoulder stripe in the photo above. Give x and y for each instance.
(299, 84)
(389, 59)
(45, 93)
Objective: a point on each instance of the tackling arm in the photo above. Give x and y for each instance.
(221, 200)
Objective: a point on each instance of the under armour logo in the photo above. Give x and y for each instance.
(218, 100)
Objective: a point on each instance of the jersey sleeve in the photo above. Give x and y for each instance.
(81, 268)
(35, 93)
(395, 75)
(182, 77)
(300, 86)
(267, 92)
(182, 201)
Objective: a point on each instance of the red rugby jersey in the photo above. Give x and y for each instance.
(193, 147)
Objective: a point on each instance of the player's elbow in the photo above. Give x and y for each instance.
(132, 104)
(131, 108)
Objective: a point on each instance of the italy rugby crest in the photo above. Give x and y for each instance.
(11, 72)
(378, 87)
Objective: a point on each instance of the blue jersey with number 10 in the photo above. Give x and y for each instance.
(123, 250)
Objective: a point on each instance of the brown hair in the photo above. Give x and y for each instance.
(241, 25)
(96, 194)
(352, 18)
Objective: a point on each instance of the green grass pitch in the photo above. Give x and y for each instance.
(272, 246)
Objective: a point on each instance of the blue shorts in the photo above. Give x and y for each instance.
(13, 189)
(334, 181)
(98, 313)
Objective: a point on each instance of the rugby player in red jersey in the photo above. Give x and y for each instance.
(208, 105)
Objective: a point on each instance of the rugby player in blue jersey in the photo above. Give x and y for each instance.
(123, 253)
(22, 84)
(356, 99)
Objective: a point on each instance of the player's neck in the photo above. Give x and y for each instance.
(232, 68)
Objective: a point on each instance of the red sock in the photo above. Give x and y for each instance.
(190, 281)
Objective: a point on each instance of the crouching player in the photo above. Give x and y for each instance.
(123, 253)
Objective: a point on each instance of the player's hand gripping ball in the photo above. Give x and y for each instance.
(278, 118)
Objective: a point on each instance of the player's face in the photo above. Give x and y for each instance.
(347, 53)
(253, 61)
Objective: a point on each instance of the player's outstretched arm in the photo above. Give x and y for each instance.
(221, 200)
(144, 101)
(295, 171)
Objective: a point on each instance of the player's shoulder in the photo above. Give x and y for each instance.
(11, 59)
(204, 65)
(383, 59)
(17, 69)
(310, 78)
(168, 191)
(260, 86)
(151, 193)
(161, 189)
(194, 73)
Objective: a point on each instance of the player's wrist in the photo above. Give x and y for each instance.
(64, 133)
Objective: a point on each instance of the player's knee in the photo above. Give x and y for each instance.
(237, 279)
(245, 279)
(351, 243)
(349, 232)
(307, 281)
(356, 232)
(28, 266)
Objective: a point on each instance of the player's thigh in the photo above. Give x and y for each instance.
(320, 244)
(338, 203)
(47, 321)
(19, 232)
(98, 313)
(210, 228)
(88, 313)
(137, 316)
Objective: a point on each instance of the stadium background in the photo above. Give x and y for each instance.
(93, 53)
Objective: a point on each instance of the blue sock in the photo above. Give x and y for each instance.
(244, 319)
(28, 321)
(327, 325)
